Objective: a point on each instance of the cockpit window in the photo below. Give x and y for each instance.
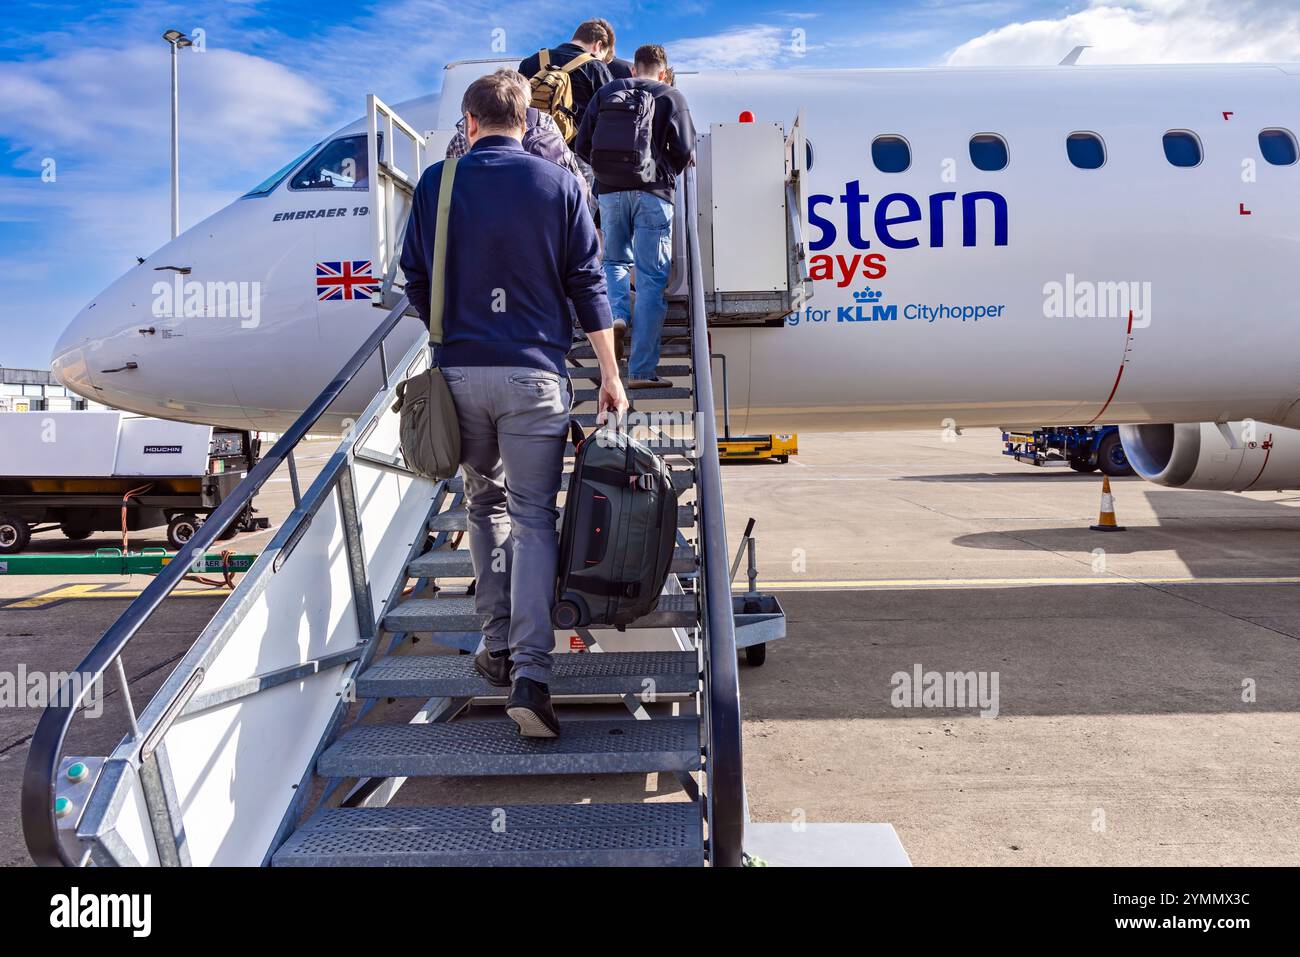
(272, 181)
(342, 164)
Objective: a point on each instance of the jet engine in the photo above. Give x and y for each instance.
(1232, 457)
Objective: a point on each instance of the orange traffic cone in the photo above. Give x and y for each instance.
(1106, 521)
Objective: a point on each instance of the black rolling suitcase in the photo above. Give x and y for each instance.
(618, 533)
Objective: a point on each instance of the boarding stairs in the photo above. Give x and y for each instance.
(340, 668)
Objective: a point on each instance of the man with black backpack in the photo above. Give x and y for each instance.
(638, 137)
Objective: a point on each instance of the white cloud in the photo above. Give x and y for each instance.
(747, 48)
(114, 105)
(1147, 31)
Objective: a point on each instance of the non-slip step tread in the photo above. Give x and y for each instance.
(661, 833)
(456, 563)
(669, 350)
(635, 395)
(491, 747)
(457, 519)
(456, 613)
(453, 676)
(663, 371)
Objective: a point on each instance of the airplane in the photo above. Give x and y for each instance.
(987, 247)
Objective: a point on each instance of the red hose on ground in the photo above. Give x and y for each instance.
(126, 500)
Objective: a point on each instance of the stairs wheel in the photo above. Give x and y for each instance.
(755, 655)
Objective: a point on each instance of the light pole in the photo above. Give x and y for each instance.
(177, 40)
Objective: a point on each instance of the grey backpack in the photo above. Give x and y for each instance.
(429, 429)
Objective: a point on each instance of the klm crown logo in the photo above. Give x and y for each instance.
(867, 308)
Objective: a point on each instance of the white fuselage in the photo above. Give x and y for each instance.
(1210, 252)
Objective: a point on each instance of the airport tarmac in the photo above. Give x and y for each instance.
(1148, 682)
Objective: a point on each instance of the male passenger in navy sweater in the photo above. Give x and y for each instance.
(520, 245)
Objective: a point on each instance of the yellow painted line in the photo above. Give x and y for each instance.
(54, 595)
(75, 592)
(895, 583)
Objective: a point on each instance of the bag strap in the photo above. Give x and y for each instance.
(438, 271)
(543, 59)
(576, 62)
(575, 433)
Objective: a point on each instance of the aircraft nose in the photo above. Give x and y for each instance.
(69, 361)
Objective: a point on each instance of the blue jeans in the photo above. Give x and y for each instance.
(638, 230)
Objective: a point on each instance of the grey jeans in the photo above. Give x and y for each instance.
(513, 423)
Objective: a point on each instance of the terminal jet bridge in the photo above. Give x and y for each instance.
(272, 743)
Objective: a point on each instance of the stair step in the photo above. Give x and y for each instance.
(667, 350)
(492, 747)
(635, 395)
(457, 519)
(683, 478)
(662, 447)
(456, 563)
(657, 418)
(456, 613)
(593, 372)
(453, 676)
(665, 834)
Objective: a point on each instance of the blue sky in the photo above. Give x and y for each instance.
(84, 92)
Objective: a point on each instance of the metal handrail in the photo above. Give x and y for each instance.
(724, 767)
(40, 775)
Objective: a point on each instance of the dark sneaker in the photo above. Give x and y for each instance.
(646, 382)
(494, 666)
(530, 708)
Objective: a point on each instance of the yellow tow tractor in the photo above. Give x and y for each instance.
(750, 448)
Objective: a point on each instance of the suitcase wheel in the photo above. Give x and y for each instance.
(566, 614)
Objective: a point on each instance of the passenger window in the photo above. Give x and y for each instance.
(1182, 148)
(1278, 147)
(808, 154)
(891, 154)
(988, 152)
(1085, 150)
(342, 164)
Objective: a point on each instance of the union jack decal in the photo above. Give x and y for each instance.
(348, 279)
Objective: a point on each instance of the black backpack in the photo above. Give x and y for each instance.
(621, 154)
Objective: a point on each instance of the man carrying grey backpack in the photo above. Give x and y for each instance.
(519, 245)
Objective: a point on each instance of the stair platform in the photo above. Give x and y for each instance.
(664, 834)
